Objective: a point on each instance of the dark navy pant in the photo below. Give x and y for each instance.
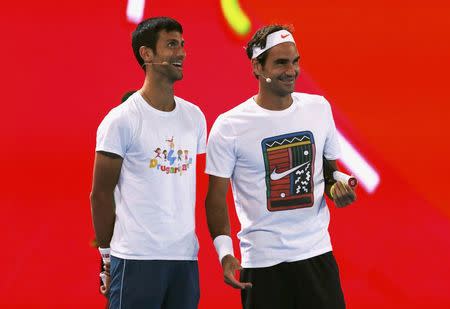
(153, 284)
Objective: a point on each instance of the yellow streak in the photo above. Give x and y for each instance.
(235, 16)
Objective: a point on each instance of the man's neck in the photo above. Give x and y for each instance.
(158, 94)
(271, 101)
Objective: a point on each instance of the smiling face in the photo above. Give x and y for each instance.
(281, 66)
(169, 55)
(166, 61)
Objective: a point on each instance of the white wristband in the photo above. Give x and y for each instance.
(224, 246)
(105, 253)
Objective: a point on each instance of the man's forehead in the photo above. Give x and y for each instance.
(283, 50)
(171, 35)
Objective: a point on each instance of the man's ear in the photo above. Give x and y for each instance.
(146, 54)
(257, 67)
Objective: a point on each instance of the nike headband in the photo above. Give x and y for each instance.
(272, 40)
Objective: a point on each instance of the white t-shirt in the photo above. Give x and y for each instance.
(155, 194)
(274, 160)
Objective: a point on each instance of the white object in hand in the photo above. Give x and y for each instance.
(103, 277)
(350, 180)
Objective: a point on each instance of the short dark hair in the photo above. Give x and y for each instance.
(147, 33)
(259, 39)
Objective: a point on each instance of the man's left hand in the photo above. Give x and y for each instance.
(343, 195)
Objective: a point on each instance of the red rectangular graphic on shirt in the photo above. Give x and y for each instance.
(289, 164)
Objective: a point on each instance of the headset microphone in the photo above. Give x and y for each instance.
(159, 63)
(267, 79)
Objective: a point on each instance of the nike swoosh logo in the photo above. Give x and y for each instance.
(276, 176)
(284, 36)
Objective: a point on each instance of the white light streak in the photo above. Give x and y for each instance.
(361, 169)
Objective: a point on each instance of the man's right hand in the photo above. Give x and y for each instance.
(230, 265)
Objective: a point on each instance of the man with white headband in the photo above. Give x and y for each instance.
(272, 148)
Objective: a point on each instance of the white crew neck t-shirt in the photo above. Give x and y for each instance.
(274, 160)
(155, 194)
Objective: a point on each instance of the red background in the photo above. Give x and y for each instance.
(382, 64)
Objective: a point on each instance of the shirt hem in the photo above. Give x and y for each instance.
(153, 257)
(107, 149)
(333, 157)
(278, 260)
(209, 172)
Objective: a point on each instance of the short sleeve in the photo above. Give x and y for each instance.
(201, 143)
(332, 149)
(220, 151)
(114, 133)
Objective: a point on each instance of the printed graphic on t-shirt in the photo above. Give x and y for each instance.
(170, 159)
(289, 164)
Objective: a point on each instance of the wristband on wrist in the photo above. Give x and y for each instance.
(224, 246)
(105, 253)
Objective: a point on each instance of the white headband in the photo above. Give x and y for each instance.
(273, 39)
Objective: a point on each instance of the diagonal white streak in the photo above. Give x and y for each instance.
(360, 168)
(135, 10)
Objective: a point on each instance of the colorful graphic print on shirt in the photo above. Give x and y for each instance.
(289, 164)
(170, 160)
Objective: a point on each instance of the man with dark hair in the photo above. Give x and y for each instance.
(273, 148)
(143, 205)
(148, 32)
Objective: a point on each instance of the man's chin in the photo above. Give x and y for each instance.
(285, 92)
(290, 90)
(177, 78)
